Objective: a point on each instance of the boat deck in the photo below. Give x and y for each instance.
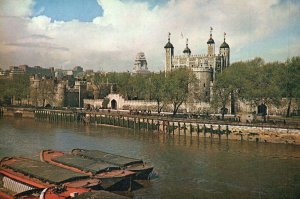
(85, 164)
(107, 157)
(42, 171)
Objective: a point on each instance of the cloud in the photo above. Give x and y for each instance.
(46, 46)
(111, 41)
(16, 8)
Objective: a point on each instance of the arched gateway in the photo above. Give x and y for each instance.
(113, 104)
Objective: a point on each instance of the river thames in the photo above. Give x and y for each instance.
(186, 167)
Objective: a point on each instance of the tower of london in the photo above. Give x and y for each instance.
(205, 67)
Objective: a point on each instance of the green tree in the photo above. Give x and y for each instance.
(177, 87)
(223, 88)
(290, 81)
(20, 85)
(157, 89)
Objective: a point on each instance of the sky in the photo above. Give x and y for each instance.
(106, 35)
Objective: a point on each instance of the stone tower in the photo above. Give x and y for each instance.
(60, 95)
(169, 55)
(225, 53)
(210, 45)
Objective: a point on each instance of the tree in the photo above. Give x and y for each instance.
(16, 87)
(157, 90)
(177, 87)
(224, 86)
(20, 87)
(290, 81)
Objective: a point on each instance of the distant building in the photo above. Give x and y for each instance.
(57, 93)
(140, 64)
(36, 70)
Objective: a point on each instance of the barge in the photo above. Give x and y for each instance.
(138, 166)
(112, 177)
(22, 175)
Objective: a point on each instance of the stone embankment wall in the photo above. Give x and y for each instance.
(166, 125)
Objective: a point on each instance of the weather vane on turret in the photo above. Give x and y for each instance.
(224, 36)
(169, 36)
(211, 29)
(187, 42)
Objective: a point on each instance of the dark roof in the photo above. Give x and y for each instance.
(44, 171)
(85, 164)
(187, 50)
(106, 157)
(210, 41)
(224, 45)
(169, 45)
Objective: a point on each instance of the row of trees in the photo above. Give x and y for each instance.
(18, 88)
(14, 88)
(171, 88)
(256, 81)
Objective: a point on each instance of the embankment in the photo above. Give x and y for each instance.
(186, 127)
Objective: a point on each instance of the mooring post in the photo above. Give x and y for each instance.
(227, 131)
(148, 124)
(211, 131)
(204, 130)
(219, 131)
(198, 129)
(191, 128)
(173, 127)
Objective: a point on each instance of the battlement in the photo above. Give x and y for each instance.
(200, 56)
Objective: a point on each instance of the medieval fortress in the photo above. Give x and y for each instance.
(204, 66)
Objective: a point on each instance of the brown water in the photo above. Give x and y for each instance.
(187, 167)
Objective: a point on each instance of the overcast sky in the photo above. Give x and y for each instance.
(107, 34)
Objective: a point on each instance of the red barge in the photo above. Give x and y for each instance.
(25, 178)
(111, 176)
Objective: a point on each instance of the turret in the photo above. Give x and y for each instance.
(225, 53)
(60, 95)
(169, 55)
(187, 51)
(210, 44)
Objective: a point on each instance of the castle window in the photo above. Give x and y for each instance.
(204, 85)
(206, 93)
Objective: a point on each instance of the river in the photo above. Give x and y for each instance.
(187, 167)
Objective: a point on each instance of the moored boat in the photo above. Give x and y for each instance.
(112, 177)
(19, 175)
(138, 166)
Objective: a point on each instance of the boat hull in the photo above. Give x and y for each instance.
(141, 173)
